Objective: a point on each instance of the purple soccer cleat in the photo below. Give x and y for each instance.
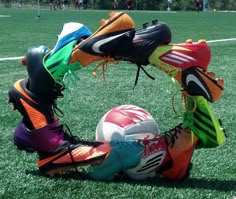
(43, 140)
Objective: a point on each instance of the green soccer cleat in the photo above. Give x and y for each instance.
(202, 121)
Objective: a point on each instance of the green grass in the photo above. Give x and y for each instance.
(214, 170)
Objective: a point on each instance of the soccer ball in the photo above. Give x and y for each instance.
(126, 123)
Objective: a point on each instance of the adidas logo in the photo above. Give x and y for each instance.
(177, 57)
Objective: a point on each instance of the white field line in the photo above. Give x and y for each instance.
(10, 58)
(209, 41)
(5, 16)
(221, 40)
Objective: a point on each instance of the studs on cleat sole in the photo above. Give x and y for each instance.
(56, 172)
(154, 22)
(145, 25)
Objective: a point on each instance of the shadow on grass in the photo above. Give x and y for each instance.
(209, 184)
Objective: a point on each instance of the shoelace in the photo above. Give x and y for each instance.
(104, 65)
(56, 93)
(139, 66)
(171, 137)
(184, 99)
(71, 139)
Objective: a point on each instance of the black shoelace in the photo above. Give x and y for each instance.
(172, 134)
(139, 66)
(57, 93)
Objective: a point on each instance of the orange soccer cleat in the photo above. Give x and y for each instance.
(36, 110)
(181, 146)
(68, 156)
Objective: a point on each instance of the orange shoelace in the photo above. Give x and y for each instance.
(184, 99)
(103, 65)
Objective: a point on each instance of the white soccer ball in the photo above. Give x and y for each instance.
(128, 123)
(125, 123)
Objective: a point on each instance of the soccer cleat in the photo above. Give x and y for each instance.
(42, 140)
(71, 32)
(181, 146)
(168, 155)
(137, 159)
(37, 72)
(50, 66)
(115, 33)
(145, 41)
(37, 111)
(123, 43)
(199, 83)
(202, 121)
(155, 158)
(172, 58)
(68, 156)
(188, 64)
(56, 61)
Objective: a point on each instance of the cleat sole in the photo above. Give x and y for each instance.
(26, 149)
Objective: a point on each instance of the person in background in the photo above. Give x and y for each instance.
(197, 5)
(169, 5)
(80, 4)
(52, 5)
(115, 5)
(59, 4)
(65, 5)
(85, 4)
(76, 3)
(206, 5)
(129, 4)
(19, 3)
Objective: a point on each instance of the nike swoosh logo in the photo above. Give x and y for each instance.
(50, 159)
(192, 78)
(96, 45)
